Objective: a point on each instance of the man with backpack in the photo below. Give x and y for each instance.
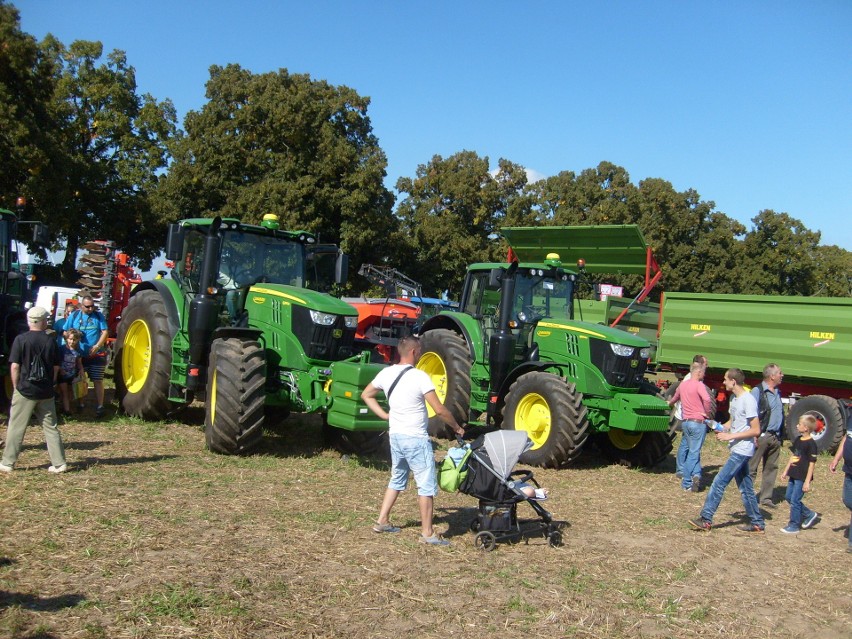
(770, 413)
(34, 360)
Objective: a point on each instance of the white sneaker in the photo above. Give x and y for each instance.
(5, 469)
(58, 469)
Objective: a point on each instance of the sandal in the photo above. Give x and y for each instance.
(385, 528)
(434, 540)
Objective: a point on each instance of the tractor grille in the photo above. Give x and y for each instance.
(327, 343)
(624, 372)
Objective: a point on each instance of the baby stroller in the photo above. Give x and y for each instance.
(490, 478)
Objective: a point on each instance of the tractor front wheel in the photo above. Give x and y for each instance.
(634, 449)
(446, 359)
(236, 380)
(552, 413)
(143, 357)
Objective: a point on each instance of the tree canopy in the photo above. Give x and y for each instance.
(287, 144)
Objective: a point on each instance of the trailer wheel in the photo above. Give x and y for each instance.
(552, 413)
(143, 357)
(446, 360)
(830, 423)
(233, 422)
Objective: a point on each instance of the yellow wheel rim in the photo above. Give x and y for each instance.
(432, 364)
(624, 439)
(533, 416)
(136, 356)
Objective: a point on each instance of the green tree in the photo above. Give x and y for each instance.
(833, 272)
(286, 144)
(783, 253)
(26, 87)
(451, 213)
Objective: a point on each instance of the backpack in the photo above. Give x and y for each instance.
(453, 470)
(36, 373)
(763, 411)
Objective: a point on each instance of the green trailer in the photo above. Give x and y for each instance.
(810, 338)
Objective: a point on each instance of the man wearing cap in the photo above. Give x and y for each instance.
(34, 360)
(93, 326)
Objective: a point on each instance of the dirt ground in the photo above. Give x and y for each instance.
(149, 535)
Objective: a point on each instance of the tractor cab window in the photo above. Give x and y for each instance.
(540, 294)
(321, 267)
(476, 289)
(249, 258)
(5, 246)
(189, 268)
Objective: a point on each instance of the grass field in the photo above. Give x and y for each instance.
(149, 535)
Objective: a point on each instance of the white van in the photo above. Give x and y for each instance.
(53, 299)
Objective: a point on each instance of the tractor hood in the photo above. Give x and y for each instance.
(598, 331)
(313, 300)
(605, 249)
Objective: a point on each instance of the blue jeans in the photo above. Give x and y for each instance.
(735, 468)
(413, 454)
(682, 449)
(693, 435)
(847, 501)
(798, 511)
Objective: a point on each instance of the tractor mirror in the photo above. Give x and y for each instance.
(41, 233)
(341, 268)
(495, 279)
(174, 243)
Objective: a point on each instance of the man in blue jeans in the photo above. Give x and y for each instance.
(407, 390)
(695, 406)
(740, 432)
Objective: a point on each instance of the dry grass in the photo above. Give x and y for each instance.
(152, 536)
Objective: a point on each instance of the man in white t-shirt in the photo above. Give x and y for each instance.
(408, 390)
(740, 432)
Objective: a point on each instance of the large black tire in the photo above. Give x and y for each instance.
(830, 424)
(143, 357)
(446, 360)
(236, 381)
(552, 413)
(636, 449)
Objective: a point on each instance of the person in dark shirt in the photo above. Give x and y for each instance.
(34, 360)
(800, 472)
(844, 452)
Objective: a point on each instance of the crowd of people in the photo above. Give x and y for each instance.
(754, 433)
(44, 364)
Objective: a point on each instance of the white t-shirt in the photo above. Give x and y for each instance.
(408, 414)
(743, 409)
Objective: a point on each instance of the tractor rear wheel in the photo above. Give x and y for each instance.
(552, 413)
(446, 359)
(236, 380)
(143, 357)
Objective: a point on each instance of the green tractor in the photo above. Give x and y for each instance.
(238, 326)
(515, 357)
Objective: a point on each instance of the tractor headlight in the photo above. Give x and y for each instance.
(323, 319)
(621, 350)
(351, 321)
(645, 353)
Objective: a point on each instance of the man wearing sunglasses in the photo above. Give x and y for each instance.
(93, 326)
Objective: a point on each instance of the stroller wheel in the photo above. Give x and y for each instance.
(555, 539)
(485, 541)
(474, 525)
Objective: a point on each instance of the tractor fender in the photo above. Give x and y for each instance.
(169, 293)
(462, 324)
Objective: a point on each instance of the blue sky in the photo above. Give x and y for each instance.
(748, 103)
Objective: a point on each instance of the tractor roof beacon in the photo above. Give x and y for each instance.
(236, 326)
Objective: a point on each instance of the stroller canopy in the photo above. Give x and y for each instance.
(504, 448)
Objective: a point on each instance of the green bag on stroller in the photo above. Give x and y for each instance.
(453, 470)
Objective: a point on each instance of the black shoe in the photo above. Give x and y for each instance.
(810, 521)
(700, 524)
(696, 483)
(751, 528)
